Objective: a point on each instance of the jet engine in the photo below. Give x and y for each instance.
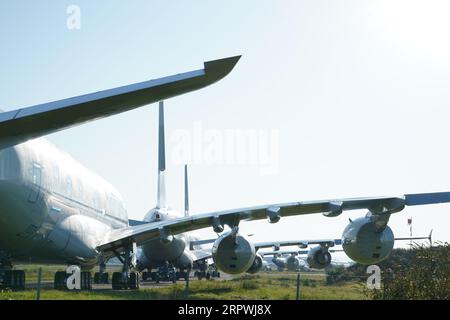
(257, 264)
(233, 254)
(292, 263)
(319, 258)
(365, 242)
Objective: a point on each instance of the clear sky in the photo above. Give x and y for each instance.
(354, 95)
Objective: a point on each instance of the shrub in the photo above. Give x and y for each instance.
(425, 276)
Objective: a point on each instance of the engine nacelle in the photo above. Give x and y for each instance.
(233, 254)
(280, 262)
(318, 258)
(257, 264)
(292, 263)
(363, 243)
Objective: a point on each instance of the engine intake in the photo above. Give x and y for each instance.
(292, 263)
(257, 264)
(233, 254)
(319, 258)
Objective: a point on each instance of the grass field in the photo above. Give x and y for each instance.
(246, 287)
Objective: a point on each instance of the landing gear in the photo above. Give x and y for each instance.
(121, 282)
(60, 282)
(182, 275)
(200, 274)
(126, 279)
(86, 281)
(9, 278)
(101, 277)
(14, 279)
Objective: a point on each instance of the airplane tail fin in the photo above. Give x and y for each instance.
(161, 159)
(186, 192)
(429, 238)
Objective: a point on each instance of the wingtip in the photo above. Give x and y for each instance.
(224, 61)
(221, 67)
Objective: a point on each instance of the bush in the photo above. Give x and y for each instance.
(425, 276)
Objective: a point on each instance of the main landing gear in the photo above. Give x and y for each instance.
(101, 277)
(126, 279)
(60, 280)
(12, 279)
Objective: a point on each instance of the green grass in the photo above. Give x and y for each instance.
(246, 287)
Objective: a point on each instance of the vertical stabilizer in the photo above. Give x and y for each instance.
(161, 159)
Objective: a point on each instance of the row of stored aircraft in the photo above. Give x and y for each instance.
(56, 211)
(313, 258)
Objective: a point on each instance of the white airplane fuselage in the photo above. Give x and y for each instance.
(54, 210)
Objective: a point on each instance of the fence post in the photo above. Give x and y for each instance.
(38, 294)
(187, 284)
(298, 287)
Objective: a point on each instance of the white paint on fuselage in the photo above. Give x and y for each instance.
(53, 208)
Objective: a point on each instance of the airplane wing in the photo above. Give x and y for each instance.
(301, 243)
(276, 244)
(20, 125)
(324, 242)
(292, 252)
(200, 254)
(140, 234)
(283, 252)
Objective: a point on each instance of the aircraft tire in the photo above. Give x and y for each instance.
(86, 280)
(14, 279)
(60, 280)
(116, 281)
(104, 278)
(134, 281)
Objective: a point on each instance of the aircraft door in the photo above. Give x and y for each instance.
(36, 181)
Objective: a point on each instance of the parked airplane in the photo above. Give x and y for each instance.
(53, 209)
(56, 211)
(182, 250)
(318, 257)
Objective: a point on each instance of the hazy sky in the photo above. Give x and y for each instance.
(351, 97)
